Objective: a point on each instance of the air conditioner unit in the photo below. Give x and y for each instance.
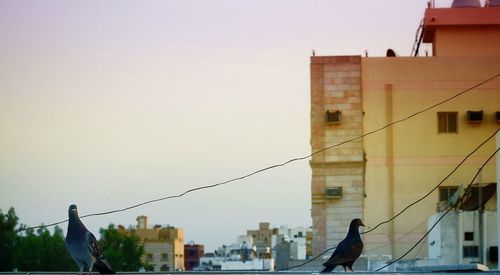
(474, 116)
(333, 193)
(334, 117)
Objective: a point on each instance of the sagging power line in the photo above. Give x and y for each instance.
(276, 165)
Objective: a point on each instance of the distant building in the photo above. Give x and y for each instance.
(309, 243)
(262, 240)
(290, 244)
(297, 239)
(238, 256)
(164, 246)
(192, 254)
(376, 176)
(215, 263)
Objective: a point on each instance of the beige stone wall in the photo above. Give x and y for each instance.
(407, 160)
(336, 86)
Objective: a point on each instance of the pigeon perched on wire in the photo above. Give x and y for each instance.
(348, 250)
(83, 246)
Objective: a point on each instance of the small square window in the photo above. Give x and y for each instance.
(149, 257)
(468, 236)
(164, 256)
(494, 254)
(447, 122)
(164, 268)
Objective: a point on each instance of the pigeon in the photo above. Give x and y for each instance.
(348, 250)
(83, 246)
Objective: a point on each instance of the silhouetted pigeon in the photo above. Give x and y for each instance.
(83, 246)
(348, 250)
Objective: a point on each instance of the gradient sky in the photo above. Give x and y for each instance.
(111, 103)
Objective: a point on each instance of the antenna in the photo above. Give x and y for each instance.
(419, 35)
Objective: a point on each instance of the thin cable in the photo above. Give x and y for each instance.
(415, 202)
(445, 213)
(432, 190)
(277, 165)
(398, 239)
(308, 261)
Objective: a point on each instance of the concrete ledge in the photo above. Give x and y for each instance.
(450, 268)
(436, 272)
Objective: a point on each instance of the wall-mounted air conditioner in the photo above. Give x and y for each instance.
(474, 116)
(333, 193)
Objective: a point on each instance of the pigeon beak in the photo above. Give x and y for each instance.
(362, 224)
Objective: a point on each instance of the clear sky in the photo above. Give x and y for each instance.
(111, 103)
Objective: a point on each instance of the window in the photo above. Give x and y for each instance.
(447, 122)
(445, 192)
(164, 268)
(468, 236)
(164, 256)
(471, 251)
(149, 257)
(494, 254)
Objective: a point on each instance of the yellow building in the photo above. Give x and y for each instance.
(376, 176)
(163, 246)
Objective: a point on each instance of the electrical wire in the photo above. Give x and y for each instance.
(308, 261)
(413, 203)
(398, 239)
(437, 186)
(445, 213)
(276, 165)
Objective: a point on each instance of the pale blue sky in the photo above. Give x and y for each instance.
(110, 103)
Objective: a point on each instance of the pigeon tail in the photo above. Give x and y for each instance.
(329, 268)
(103, 267)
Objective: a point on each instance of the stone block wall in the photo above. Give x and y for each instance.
(336, 86)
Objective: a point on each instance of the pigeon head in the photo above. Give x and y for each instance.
(355, 224)
(74, 219)
(72, 211)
